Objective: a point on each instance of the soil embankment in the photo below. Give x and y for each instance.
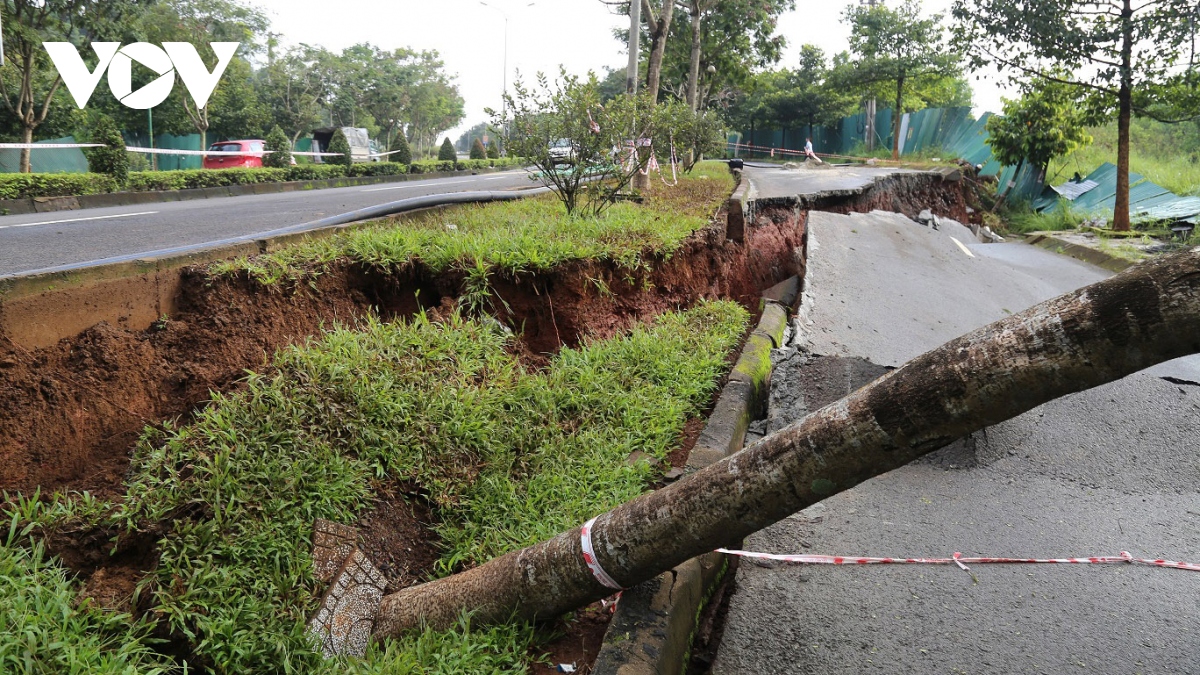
(71, 413)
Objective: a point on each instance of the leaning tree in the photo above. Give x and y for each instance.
(1095, 335)
(1122, 54)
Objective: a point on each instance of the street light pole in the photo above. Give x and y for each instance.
(504, 99)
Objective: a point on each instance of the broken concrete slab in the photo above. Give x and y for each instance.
(342, 626)
(332, 544)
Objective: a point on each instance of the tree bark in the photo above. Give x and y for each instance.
(660, 28)
(898, 115)
(1096, 335)
(1124, 118)
(693, 90)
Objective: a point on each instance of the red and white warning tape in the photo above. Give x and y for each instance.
(47, 146)
(961, 561)
(589, 557)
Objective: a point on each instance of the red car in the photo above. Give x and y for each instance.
(252, 158)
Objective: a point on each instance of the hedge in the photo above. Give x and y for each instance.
(26, 185)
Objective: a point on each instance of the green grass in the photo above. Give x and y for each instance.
(1020, 218)
(509, 457)
(44, 628)
(1168, 155)
(527, 235)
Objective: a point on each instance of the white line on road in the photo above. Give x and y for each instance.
(497, 177)
(407, 187)
(80, 220)
(964, 248)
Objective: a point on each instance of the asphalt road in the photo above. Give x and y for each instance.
(1108, 470)
(41, 240)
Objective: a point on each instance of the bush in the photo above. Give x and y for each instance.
(493, 149)
(111, 159)
(155, 181)
(447, 152)
(26, 185)
(279, 155)
(316, 171)
(378, 169)
(340, 145)
(432, 166)
(477, 150)
(403, 154)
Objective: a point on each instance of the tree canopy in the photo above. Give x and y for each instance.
(1126, 57)
(897, 47)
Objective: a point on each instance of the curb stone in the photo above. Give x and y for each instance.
(651, 631)
(1108, 261)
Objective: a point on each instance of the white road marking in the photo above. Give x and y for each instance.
(964, 248)
(407, 187)
(497, 177)
(80, 220)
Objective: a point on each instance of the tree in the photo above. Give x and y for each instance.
(293, 87)
(736, 38)
(1095, 335)
(112, 158)
(341, 146)
(279, 149)
(28, 80)
(899, 47)
(234, 104)
(599, 138)
(446, 153)
(493, 149)
(692, 134)
(401, 152)
(477, 150)
(657, 15)
(1122, 54)
(1045, 123)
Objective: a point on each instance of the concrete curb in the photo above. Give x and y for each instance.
(17, 207)
(1108, 261)
(651, 631)
(740, 209)
(41, 307)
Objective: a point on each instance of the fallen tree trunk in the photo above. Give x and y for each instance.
(1096, 335)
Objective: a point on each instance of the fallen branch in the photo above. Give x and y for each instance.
(1101, 333)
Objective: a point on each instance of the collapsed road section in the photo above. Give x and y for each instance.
(1094, 473)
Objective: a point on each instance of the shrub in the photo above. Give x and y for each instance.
(477, 150)
(202, 178)
(111, 159)
(378, 169)
(493, 149)
(400, 147)
(279, 155)
(432, 166)
(26, 185)
(340, 145)
(446, 152)
(316, 171)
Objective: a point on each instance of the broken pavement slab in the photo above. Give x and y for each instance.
(342, 626)
(332, 545)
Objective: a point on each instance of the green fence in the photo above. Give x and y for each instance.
(169, 142)
(952, 133)
(60, 160)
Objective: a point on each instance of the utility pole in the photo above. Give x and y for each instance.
(635, 35)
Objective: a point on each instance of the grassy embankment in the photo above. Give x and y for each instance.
(528, 235)
(508, 456)
(1166, 154)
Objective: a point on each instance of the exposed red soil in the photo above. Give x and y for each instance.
(582, 636)
(396, 535)
(70, 413)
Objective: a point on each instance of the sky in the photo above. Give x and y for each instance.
(541, 35)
